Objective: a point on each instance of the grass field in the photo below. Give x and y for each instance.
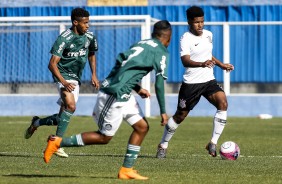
(21, 161)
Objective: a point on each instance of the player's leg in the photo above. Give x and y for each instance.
(189, 96)
(140, 129)
(68, 105)
(37, 122)
(54, 119)
(67, 109)
(169, 131)
(67, 112)
(219, 100)
(108, 118)
(134, 116)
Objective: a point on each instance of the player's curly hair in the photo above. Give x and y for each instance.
(194, 11)
(159, 27)
(78, 13)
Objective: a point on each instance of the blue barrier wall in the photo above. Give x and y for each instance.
(255, 50)
(239, 105)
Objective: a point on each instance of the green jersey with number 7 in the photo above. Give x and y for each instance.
(132, 65)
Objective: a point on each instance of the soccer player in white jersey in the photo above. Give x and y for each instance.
(70, 53)
(115, 101)
(198, 80)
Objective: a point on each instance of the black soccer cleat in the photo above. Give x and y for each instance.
(161, 152)
(31, 129)
(212, 149)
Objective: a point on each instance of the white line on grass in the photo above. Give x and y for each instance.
(91, 154)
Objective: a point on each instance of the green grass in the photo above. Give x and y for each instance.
(21, 161)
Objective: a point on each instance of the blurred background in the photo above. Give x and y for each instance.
(245, 33)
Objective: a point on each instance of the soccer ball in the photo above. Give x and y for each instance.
(229, 151)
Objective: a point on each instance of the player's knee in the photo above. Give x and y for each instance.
(144, 129)
(179, 117)
(105, 139)
(223, 105)
(71, 107)
(141, 128)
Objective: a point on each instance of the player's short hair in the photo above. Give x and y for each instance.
(78, 13)
(160, 27)
(194, 11)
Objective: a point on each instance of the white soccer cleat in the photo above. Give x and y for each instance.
(61, 153)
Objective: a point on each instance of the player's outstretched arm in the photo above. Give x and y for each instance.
(224, 66)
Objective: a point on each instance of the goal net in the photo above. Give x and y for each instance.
(26, 43)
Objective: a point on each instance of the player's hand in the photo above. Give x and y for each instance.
(144, 93)
(95, 82)
(208, 63)
(164, 119)
(228, 67)
(69, 86)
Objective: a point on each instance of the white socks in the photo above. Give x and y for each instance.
(169, 130)
(219, 122)
(218, 125)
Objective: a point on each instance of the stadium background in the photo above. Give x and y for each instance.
(255, 52)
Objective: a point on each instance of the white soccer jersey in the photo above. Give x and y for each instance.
(200, 49)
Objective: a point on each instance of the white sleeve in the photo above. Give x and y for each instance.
(184, 45)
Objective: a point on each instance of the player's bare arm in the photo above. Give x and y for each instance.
(224, 66)
(92, 63)
(187, 62)
(55, 71)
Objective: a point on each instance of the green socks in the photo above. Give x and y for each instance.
(72, 141)
(131, 155)
(49, 121)
(63, 123)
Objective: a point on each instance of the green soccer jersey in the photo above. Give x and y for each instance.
(73, 50)
(132, 65)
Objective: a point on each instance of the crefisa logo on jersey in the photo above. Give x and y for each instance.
(81, 52)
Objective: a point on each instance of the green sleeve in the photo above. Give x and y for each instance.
(137, 88)
(159, 88)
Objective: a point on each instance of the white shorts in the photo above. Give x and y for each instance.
(75, 92)
(108, 114)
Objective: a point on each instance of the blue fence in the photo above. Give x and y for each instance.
(255, 50)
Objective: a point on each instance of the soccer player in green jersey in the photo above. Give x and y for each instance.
(115, 101)
(69, 56)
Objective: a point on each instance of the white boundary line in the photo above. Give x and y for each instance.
(142, 155)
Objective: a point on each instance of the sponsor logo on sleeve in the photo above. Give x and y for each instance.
(163, 64)
(61, 46)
